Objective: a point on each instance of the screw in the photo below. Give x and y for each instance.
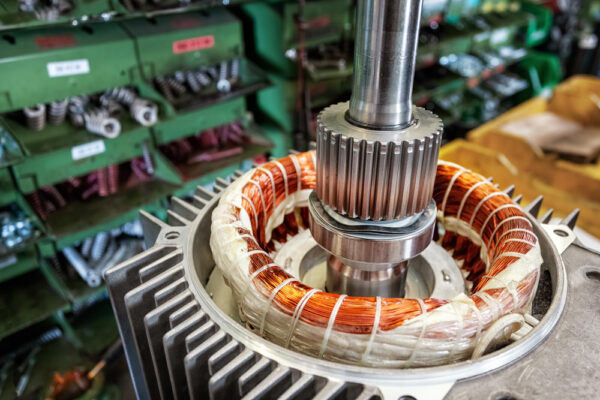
(223, 84)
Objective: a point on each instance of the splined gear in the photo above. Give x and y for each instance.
(388, 178)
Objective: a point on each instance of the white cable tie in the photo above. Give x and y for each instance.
(482, 202)
(479, 320)
(517, 240)
(500, 241)
(245, 235)
(425, 314)
(284, 173)
(515, 218)
(270, 300)
(298, 313)
(298, 172)
(506, 254)
(459, 329)
(253, 209)
(367, 351)
(489, 217)
(491, 302)
(262, 269)
(330, 324)
(466, 196)
(273, 186)
(512, 291)
(262, 199)
(449, 188)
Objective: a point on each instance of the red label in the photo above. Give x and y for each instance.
(197, 43)
(54, 42)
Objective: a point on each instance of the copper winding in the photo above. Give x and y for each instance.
(502, 226)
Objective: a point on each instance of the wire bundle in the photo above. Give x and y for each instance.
(487, 234)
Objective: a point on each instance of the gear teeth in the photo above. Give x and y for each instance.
(375, 180)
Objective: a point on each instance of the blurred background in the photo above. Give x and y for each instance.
(112, 106)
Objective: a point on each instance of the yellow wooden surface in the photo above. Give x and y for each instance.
(512, 160)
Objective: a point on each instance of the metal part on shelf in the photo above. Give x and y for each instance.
(81, 266)
(57, 111)
(100, 123)
(35, 117)
(144, 112)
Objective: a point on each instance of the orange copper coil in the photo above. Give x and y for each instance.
(485, 232)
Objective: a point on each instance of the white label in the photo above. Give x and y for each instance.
(88, 149)
(67, 68)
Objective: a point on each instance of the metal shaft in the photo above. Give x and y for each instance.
(384, 63)
(384, 280)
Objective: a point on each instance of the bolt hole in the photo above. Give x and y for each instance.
(172, 235)
(561, 233)
(153, 21)
(87, 30)
(407, 397)
(593, 275)
(506, 397)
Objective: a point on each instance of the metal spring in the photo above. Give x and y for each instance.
(164, 88)
(203, 78)
(113, 178)
(50, 335)
(176, 86)
(35, 117)
(76, 107)
(47, 14)
(99, 245)
(57, 111)
(179, 76)
(192, 82)
(122, 95)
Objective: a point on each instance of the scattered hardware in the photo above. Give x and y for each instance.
(96, 254)
(46, 10)
(16, 229)
(221, 77)
(99, 113)
(102, 182)
(209, 145)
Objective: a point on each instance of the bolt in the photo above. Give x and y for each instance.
(78, 263)
(99, 245)
(223, 84)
